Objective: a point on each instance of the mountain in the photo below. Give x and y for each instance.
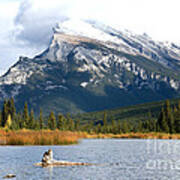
(89, 66)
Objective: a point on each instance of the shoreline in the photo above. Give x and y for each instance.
(48, 137)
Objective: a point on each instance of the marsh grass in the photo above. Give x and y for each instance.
(139, 135)
(44, 137)
(56, 137)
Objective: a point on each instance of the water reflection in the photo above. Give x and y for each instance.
(50, 172)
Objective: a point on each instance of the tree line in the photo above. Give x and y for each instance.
(169, 118)
(11, 119)
(168, 121)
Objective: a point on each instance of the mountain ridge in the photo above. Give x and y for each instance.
(79, 73)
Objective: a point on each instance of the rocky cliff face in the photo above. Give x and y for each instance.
(89, 66)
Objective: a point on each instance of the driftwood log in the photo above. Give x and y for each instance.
(62, 163)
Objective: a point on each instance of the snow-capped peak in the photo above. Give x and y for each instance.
(83, 28)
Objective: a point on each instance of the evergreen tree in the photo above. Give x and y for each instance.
(105, 122)
(4, 113)
(12, 109)
(178, 107)
(159, 121)
(61, 124)
(162, 122)
(26, 116)
(36, 125)
(0, 119)
(8, 108)
(177, 121)
(164, 127)
(52, 121)
(19, 121)
(119, 130)
(169, 116)
(165, 121)
(113, 127)
(71, 125)
(70, 122)
(154, 125)
(41, 123)
(171, 124)
(77, 125)
(31, 124)
(150, 124)
(105, 119)
(125, 127)
(140, 126)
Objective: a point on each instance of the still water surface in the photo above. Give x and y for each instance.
(116, 159)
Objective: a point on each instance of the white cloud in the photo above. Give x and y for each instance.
(157, 18)
(8, 11)
(35, 20)
(26, 26)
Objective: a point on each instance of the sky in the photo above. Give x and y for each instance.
(26, 25)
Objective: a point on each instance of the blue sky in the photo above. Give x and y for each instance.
(26, 25)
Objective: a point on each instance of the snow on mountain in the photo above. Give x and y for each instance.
(122, 40)
(87, 62)
(72, 32)
(84, 29)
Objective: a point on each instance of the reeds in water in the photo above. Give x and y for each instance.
(56, 137)
(44, 137)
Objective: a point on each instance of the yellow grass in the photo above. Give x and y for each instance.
(44, 137)
(48, 137)
(151, 135)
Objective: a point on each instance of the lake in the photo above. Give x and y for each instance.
(121, 159)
